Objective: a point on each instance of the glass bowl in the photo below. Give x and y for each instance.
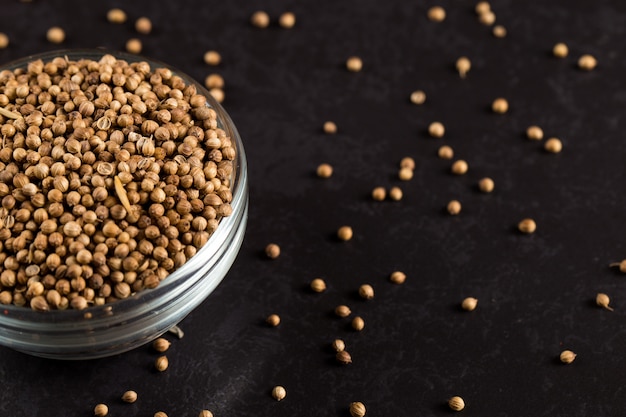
(122, 325)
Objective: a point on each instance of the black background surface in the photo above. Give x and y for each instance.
(536, 293)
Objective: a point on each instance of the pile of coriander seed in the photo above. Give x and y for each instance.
(112, 175)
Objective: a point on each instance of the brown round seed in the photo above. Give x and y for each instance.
(456, 403)
(486, 185)
(101, 410)
(587, 62)
(463, 65)
(272, 251)
(342, 311)
(357, 409)
(436, 129)
(134, 46)
(405, 174)
(214, 81)
(395, 194)
(212, 58)
(527, 226)
(354, 64)
(499, 31)
(534, 133)
(287, 20)
(454, 207)
(603, 301)
(343, 357)
(379, 193)
(129, 397)
(445, 152)
(358, 323)
(338, 345)
(329, 127)
(273, 320)
(4, 40)
(553, 145)
(560, 50)
(217, 94)
(260, 19)
(397, 277)
(488, 18)
(143, 25)
(279, 393)
(160, 414)
(205, 413)
(459, 167)
(318, 285)
(366, 292)
(418, 97)
(55, 35)
(436, 14)
(116, 16)
(469, 304)
(407, 162)
(324, 170)
(482, 7)
(500, 105)
(344, 233)
(567, 356)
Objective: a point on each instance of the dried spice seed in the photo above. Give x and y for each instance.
(324, 170)
(129, 397)
(217, 94)
(379, 193)
(456, 403)
(397, 277)
(587, 62)
(436, 14)
(445, 152)
(454, 207)
(143, 25)
(553, 145)
(329, 128)
(354, 64)
(407, 162)
(342, 311)
(527, 226)
(161, 363)
(405, 174)
(418, 97)
(214, 81)
(272, 251)
(358, 323)
(134, 46)
(55, 35)
(287, 20)
(560, 50)
(279, 393)
(160, 414)
(395, 194)
(260, 19)
(469, 304)
(343, 357)
(338, 345)
(212, 58)
(621, 265)
(534, 133)
(500, 105)
(499, 31)
(344, 233)
(459, 167)
(366, 292)
(100, 410)
(116, 16)
(567, 356)
(205, 413)
(436, 129)
(488, 18)
(357, 409)
(482, 7)
(161, 345)
(4, 40)
(463, 65)
(603, 301)
(273, 320)
(486, 185)
(318, 285)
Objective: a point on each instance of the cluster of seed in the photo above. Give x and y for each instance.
(112, 175)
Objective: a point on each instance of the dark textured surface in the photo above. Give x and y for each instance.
(418, 348)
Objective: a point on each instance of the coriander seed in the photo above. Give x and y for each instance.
(405, 174)
(567, 356)
(318, 285)
(436, 129)
(456, 403)
(287, 20)
(116, 15)
(133, 46)
(330, 128)
(418, 97)
(343, 357)
(482, 7)
(272, 251)
(161, 363)
(407, 162)
(469, 303)
(358, 323)
(534, 133)
(344, 233)
(553, 145)
(587, 62)
(260, 19)
(324, 170)
(273, 320)
(487, 18)
(338, 345)
(397, 277)
(486, 185)
(527, 226)
(621, 265)
(214, 81)
(212, 58)
(217, 94)
(379, 193)
(459, 167)
(354, 64)
(160, 414)
(357, 409)
(603, 301)
(205, 413)
(366, 292)
(55, 35)
(101, 410)
(342, 311)
(454, 207)
(4, 40)
(143, 25)
(279, 393)
(395, 194)
(500, 106)
(499, 31)
(463, 65)
(436, 14)
(129, 397)
(445, 152)
(560, 50)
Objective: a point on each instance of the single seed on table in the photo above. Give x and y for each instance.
(134, 46)
(217, 94)
(273, 320)
(357, 409)
(407, 162)
(395, 194)
(587, 62)
(129, 397)
(405, 174)
(527, 226)
(324, 170)
(499, 31)
(621, 265)
(4, 40)
(342, 311)
(459, 167)
(161, 344)
(379, 193)
(469, 304)
(212, 58)
(560, 50)
(397, 277)
(116, 16)
(463, 65)
(454, 207)
(354, 64)
(456, 403)
(436, 14)
(143, 25)
(343, 357)
(260, 19)
(487, 18)
(101, 410)
(366, 291)
(205, 413)
(553, 145)
(418, 97)
(482, 7)
(318, 285)
(279, 393)
(486, 185)
(534, 133)
(500, 105)
(329, 127)
(344, 233)
(160, 414)
(358, 323)
(567, 356)
(445, 152)
(287, 20)
(161, 363)
(603, 301)
(272, 251)
(338, 345)
(55, 35)
(214, 81)
(436, 129)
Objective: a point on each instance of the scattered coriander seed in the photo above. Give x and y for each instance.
(272, 251)
(329, 127)
(587, 62)
(134, 46)
(161, 363)
(354, 64)
(500, 105)
(143, 25)
(366, 292)
(342, 311)
(487, 18)
(603, 301)
(357, 409)
(358, 323)
(205, 413)
(436, 14)
(397, 277)
(436, 129)
(456, 403)
(469, 304)
(4, 40)
(160, 414)
(287, 20)
(395, 194)
(454, 207)
(279, 393)
(486, 185)
(55, 35)
(567, 356)
(407, 162)
(260, 19)
(499, 31)
(212, 58)
(553, 145)
(273, 320)
(405, 174)
(318, 285)
(445, 152)
(379, 193)
(560, 50)
(161, 345)
(338, 345)
(101, 410)
(482, 7)
(324, 170)
(214, 81)
(463, 65)
(116, 16)
(459, 167)
(527, 226)
(217, 94)
(534, 133)
(621, 265)
(343, 357)
(129, 397)
(418, 97)
(344, 233)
